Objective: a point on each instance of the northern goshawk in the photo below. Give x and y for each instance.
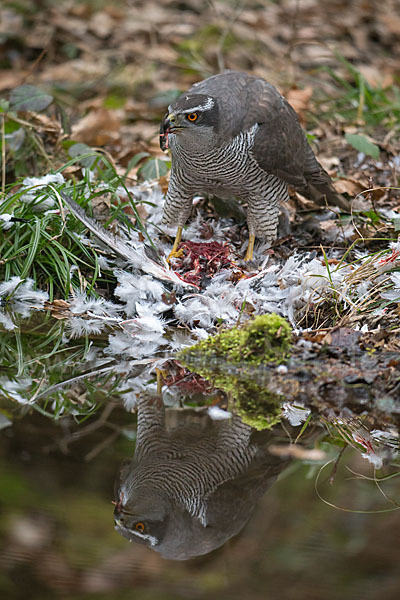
(234, 134)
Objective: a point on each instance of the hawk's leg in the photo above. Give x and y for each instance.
(177, 210)
(150, 424)
(250, 247)
(262, 219)
(177, 241)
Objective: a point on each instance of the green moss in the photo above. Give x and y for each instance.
(265, 338)
(258, 407)
(262, 340)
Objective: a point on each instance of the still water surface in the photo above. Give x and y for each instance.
(214, 509)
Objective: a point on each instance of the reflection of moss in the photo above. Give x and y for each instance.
(261, 340)
(258, 407)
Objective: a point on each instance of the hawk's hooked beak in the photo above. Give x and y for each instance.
(168, 125)
(165, 129)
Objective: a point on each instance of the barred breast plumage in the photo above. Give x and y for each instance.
(235, 135)
(229, 170)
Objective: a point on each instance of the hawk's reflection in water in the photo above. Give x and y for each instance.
(193, 482)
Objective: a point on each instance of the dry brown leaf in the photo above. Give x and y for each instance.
(142, 212)
(327, 339)
(330, 163)
(349, 186)
(42, 122)
(316, 337)
(101, 206)
(71, 171)
(59, 309)
(391, 22)
(303, 201)
(142, 130)
(328, 224)
(163, 183)
(69, 23)
(60, 304)
(98, 128)
(75, 71)
(300, 100)
(10, 79)
(375, 76)
(81, 9)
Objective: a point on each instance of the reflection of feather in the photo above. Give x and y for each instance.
(95, 372)
(136, 257)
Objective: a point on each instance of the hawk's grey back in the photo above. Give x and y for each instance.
(280, 145)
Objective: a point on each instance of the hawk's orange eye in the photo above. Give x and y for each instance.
(140, 527)
(192, 116)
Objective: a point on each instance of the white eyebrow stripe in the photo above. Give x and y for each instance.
(145, 536)
(206, 106)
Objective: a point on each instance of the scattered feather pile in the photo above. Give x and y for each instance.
(159, 309)
(21, 298)
(163, 309)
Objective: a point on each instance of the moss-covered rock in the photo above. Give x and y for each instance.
(229, 358)
(265, 338)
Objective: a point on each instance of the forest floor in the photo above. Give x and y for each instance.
(103, 76)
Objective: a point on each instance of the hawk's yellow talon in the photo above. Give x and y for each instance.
(161, 373)
(177, 241)
(250, 248)
(176, 254)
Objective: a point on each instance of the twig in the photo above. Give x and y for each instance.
(97, 449)
(34, 64)
(109, 407)
(72, 380)
(335, 466)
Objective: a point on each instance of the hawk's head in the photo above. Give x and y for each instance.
(190, 116)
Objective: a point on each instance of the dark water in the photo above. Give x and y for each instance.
(202, 485)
